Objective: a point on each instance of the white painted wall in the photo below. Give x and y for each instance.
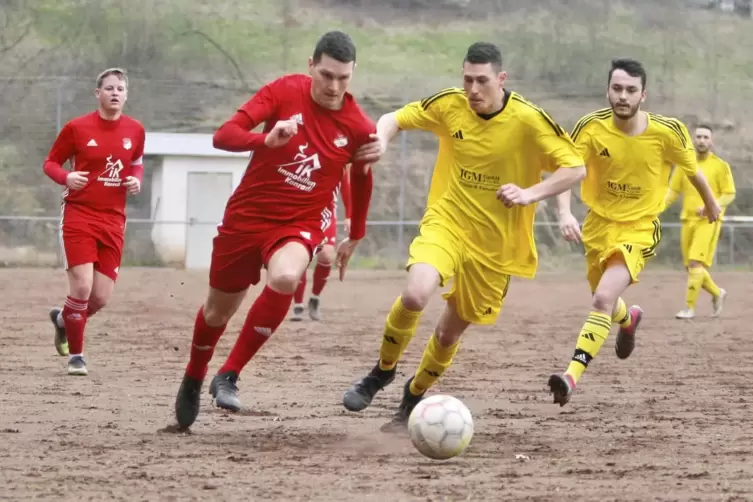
(169, 198)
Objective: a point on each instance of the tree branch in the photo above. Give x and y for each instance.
(225, 53)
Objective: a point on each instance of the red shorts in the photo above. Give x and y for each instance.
(330, 235)
(237, 258)
(89, 238)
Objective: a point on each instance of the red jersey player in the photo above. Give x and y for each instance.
(105, 149)
(280, 211)
(324, 258)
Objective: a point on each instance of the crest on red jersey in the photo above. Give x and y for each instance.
(127, 143)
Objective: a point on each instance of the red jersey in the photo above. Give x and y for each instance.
(295, 182)
(109, 150)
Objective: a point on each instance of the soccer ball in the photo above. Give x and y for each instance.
(440, 426)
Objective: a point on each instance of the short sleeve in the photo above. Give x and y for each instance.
(427, 114)
(679, 146)
(554, 143)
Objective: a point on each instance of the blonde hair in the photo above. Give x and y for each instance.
(118, 72)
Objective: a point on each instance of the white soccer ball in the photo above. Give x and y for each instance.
(440, 426)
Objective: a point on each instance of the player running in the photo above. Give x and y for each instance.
(105, 149)
(493, 148)
(629, 154)
(279, 213)
(324, 258)
(699, 237)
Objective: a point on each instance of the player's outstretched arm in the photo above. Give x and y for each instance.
(569, 227)
(387, 128)
(711, 206)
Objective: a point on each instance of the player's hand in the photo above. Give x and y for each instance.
(372, 151)
(76, 180)
(347, 225)
(132, 184)
(712, 213)
(281, 133)
(570, 228)
(512, 195)
(344, 252)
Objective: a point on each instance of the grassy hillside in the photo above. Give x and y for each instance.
(192, 63)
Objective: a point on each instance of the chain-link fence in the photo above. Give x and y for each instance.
(34, 242)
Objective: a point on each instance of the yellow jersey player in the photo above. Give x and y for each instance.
(495, 146)
(629, 155)
(699, 237)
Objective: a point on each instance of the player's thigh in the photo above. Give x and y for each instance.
(236, 262)
(478, 292)
(438, 247)
(598, 241)
(287, 253)
(705, 239)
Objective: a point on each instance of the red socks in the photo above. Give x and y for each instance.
(74, 318)
(205, 339)
(263, 319)
(321, 273)
(301, 291)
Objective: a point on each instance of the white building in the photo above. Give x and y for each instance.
(191, 181)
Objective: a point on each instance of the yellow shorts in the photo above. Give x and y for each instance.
(698, 240)
(478, 291)
(636, 241)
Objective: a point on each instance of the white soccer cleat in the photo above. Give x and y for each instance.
(718, 303)
(685, 314)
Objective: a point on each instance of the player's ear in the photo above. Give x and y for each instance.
(502, 77)
(311, 64)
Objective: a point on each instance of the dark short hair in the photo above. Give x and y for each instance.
(337, 45)
(704, 125)
(631, 67)
(484, 53)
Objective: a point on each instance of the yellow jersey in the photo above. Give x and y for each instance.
(477, 155)
(719, 176)
(626, 176)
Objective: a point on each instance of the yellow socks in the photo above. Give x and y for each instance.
(435, 361)
(399, 328)
(592, 336)
(709, 284)
(620, 313)
(695, 283)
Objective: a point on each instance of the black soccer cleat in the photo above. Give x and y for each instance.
(224, 390)
(360, 395)
(188, 401)
(399, 420)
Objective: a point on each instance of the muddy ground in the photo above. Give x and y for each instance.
(670, 423)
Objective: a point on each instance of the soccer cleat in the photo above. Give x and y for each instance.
(314, 309)
(188, 401)
(399, 422)
(626, 336)
(685, 314)
(360, 395)
(297, 312)
(225, 391)
(77, 366)
(718, 303)
(61, 341)
(561, 386)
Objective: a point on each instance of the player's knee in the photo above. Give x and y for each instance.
(415, 298)
(603, 301)
(285, 279)
(326, 256)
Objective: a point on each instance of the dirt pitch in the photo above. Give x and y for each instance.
(670, 423)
